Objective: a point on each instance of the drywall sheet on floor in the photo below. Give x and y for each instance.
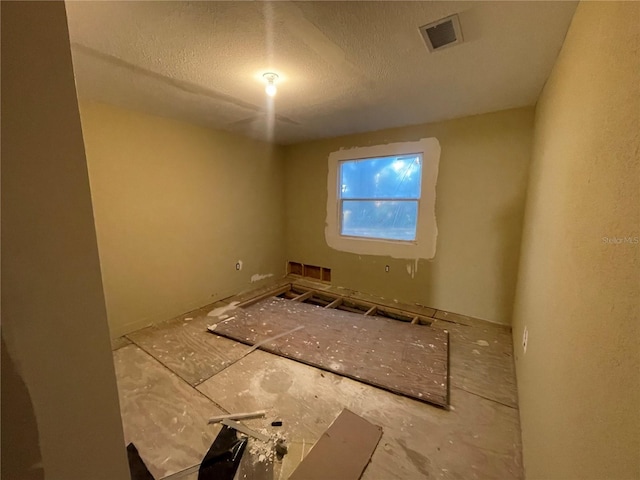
(408, 359)
(343, 451)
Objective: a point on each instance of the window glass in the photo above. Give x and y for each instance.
(379, 197)
(385, 177)
(385, 219)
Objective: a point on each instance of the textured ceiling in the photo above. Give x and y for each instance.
(345, 67)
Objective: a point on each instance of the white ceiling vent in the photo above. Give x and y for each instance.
(442, 34)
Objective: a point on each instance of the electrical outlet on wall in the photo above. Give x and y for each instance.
(525, 339)
(239, 265)
(386, 268)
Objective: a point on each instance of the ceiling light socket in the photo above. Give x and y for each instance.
(271, 88)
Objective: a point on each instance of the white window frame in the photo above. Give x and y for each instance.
(424, 245)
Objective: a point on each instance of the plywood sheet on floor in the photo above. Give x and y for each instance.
(162, 415)
(407, 359)
(477, 439)
(481, 361)
(255, 466)
(119, 342)
(187, 349)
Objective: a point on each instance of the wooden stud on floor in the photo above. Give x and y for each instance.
(303, 296)
(371, 312)
(335, 303)
(270, 293)
(356, 305)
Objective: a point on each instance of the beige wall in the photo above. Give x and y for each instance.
(578, 294)
(60, 414)
(176, 207)
(479, 207)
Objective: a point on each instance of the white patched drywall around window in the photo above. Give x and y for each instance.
(424, 247)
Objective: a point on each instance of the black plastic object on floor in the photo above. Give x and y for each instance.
(223, 458)
(138, 469)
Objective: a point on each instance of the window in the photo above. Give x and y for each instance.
(379, 197)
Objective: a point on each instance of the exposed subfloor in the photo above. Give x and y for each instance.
(173, 376)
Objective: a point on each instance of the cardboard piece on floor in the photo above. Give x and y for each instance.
(343, 451)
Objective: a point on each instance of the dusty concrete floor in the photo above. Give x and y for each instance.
(173, 376)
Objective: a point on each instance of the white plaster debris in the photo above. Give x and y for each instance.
(260, 276)
(216, 312)
(482, 343)
(475, 352)
(261, 451)
(212, 328)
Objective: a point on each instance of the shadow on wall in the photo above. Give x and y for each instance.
(508, 230)
(21, 458)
